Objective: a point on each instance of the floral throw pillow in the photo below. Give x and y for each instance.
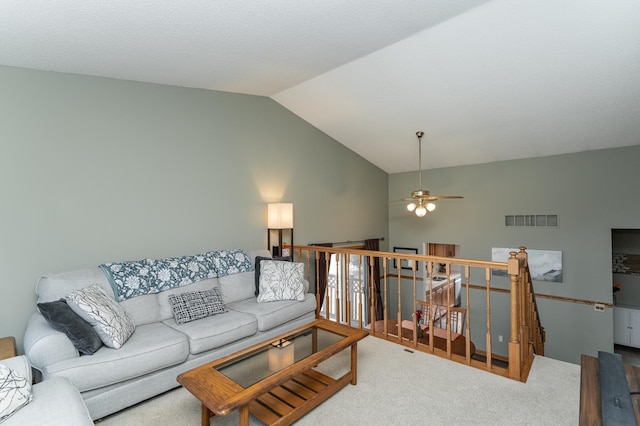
(281, 281)
(15, 392)
(106, 316)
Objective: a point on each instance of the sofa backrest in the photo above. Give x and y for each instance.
(55, 286)
(144, 309)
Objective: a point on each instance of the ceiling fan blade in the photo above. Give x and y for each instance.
(402, 200)
(440, 197)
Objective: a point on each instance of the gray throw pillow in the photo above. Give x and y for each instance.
(106, 316)
(194, 305)
(62, 318)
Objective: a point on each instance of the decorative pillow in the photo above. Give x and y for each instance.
(257, 268)
(15, 392)
(62, 318)
(108, 318)
(236, 287)
(196, 304)
(281, 281)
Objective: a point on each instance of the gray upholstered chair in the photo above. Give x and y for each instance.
(56, 402)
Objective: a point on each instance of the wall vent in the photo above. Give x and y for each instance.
(537, 220)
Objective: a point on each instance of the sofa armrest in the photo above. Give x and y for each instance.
(19, 364)
(44, 345)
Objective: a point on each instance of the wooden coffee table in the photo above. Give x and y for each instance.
(276, 380)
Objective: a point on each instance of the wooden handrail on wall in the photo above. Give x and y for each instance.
(346, 301)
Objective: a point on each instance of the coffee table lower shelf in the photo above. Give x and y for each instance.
(295, 398)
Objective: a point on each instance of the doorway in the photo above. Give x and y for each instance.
(625, 253)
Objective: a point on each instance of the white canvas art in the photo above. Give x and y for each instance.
(544, 265)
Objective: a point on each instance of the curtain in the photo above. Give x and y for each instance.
(323, 265)
(374, 245)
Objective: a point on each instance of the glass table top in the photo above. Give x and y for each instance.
(277, 355)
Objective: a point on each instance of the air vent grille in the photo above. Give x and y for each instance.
(535, 220)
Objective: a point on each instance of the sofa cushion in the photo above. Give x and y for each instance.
(273, 314)
(142, 309)
(165, 310)
(107, 317)
(64, 319)
(150, 348)
(193, 305)
(15, 392)
(236, 287)
(281, 281)
(216, 331)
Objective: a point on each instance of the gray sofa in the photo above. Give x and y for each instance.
(55, 402)
(159, 349)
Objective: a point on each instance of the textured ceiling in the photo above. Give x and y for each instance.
(485, 80)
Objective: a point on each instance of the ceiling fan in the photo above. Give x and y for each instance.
(421, 200)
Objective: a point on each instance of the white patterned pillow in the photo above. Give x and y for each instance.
(15, 392)
(194, 305)
(281, 280)
(106, 316)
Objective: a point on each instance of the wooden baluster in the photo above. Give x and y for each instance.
(489, 352)
(399, 285)
(448, 315)
(431, 316)
(339, 287)
(385, 312)
(360, 293)
(416, 324)
(317, 285)
(372, 296)
(327, 290)
(467, 304)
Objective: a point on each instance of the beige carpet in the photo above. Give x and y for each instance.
(397, 387)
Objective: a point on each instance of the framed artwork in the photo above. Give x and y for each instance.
(404, 263)
(544, 265)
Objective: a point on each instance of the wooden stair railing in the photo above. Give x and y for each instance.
(345, 296)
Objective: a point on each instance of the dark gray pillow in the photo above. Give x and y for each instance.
(63, 319)
(260, 259)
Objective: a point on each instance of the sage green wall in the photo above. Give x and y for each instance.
(591, 192)
(95, 170)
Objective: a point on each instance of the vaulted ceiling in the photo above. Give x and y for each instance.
(485, 80)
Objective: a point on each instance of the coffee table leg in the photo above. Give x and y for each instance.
(244, 415)
(206, 415)
(354, 363)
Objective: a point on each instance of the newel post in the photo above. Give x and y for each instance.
(513, 268)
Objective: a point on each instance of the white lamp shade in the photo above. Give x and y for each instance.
(411, 206)
(431, 207)
(280, 216)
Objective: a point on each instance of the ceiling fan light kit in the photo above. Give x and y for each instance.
(421, 201)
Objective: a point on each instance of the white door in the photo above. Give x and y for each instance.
(634, 328)
(621, 326)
